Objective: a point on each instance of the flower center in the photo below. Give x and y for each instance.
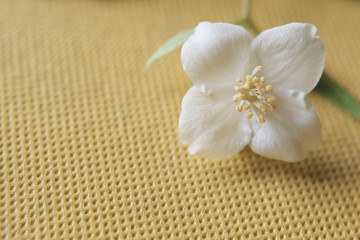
(253, 96)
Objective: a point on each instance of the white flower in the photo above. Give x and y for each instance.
(251, 91)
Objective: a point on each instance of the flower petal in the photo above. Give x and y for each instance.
(292, 56)
(290, 131)
(211, 126)
(215, 56)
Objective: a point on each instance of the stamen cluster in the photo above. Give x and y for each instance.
(254, 96)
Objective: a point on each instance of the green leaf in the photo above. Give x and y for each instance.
(338, 95)
(169, 46)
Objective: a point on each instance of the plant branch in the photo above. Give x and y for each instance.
(245, 9)
(245, 18)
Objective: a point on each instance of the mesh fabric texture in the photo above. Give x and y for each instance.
(89, 144)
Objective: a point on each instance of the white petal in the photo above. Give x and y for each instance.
(215, 56)
(292, 56)
(290, 131)
(211, 126)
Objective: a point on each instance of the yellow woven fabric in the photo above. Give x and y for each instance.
(89, 144)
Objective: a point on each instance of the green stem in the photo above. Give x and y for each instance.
(245, 9)
(250, 24)
(245, 18)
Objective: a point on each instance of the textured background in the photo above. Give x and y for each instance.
(89, 144)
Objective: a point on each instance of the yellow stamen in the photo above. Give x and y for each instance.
(256, 93)
(262, 108)
(270, 100)
(239, 80)
(269, 88)
(239, 89)
(246, 86)
(261, 119)
(241, 96)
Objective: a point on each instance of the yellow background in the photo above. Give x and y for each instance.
(89, 144)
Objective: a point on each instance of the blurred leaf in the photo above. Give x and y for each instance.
(169, 46)
(338, 95)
